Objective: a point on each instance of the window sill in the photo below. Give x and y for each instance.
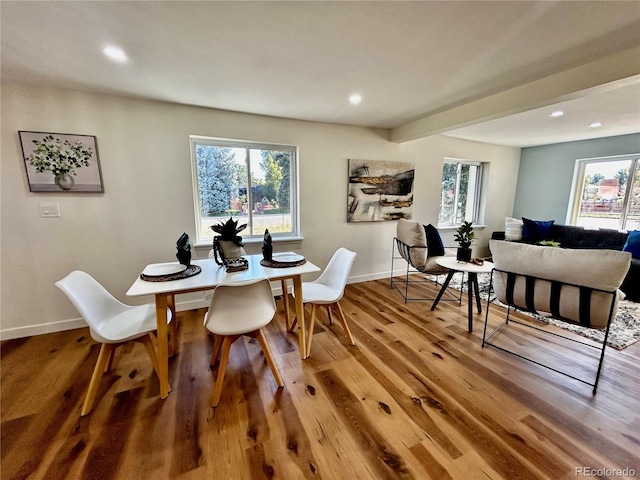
(446, 228)
(257, 241)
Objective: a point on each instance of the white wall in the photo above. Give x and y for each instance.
(147, 203)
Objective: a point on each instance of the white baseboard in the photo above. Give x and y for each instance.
(191, 305)
(40, 329)
(374, 276)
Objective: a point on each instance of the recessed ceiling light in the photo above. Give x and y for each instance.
(595, 125)
(557, 113)
(355, 98)
(114, 53)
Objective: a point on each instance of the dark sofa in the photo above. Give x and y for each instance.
(569, 236)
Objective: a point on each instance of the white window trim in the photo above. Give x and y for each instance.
(479, 188)
(294, 235)
(575, 195)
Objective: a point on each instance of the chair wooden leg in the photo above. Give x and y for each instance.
(329, 315)
(295, 321)
(311, 325)
(216, 350)
(285, 302)
(269, 356)
(343, 320)
(103, 358)
(147, 341)
(293, 325)
(112, 354)
(222, 368)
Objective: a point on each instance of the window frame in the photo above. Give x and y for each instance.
(247, 145)
(577, 185)
(478, 189)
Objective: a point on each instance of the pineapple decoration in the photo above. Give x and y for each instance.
(227, 244)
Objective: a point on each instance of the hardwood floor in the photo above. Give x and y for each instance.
(417, 397)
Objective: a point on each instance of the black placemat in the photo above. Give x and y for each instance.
(189, 272)
(274, 264)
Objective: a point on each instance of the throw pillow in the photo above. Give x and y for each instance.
(435, 247)
(513, 229)
(412, 233)
(632, 245)
(535, 230)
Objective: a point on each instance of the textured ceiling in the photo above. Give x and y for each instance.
(302, 60)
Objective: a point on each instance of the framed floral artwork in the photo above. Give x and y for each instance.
(61, 162)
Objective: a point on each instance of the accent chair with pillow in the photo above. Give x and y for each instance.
(419, 245)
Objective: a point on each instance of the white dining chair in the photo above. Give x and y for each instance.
(283, 284)
(211, 256)
(111, 323)
(328, 289)
(237, 309)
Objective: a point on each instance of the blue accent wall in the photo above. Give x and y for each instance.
(546, 173)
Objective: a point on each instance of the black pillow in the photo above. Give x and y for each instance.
(435, 247)
(535, 230)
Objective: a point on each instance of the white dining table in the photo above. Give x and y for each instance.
(211, 276)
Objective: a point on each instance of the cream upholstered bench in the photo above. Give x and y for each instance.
(576, 286)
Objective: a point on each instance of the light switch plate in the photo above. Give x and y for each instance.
(49, 210)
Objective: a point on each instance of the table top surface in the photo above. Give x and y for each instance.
(453, 264)
(213, 274)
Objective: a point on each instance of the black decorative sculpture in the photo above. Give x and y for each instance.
(267, 247)
(184, 250)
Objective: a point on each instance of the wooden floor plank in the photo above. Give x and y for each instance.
(386, 462)
(416, 397)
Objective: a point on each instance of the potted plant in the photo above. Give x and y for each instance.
(464, 236)
(228, 243)
(60, 158)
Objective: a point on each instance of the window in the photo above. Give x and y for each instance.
(460, 195)
(254, 183)
(607, 193)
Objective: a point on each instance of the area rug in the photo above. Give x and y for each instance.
(624, 331)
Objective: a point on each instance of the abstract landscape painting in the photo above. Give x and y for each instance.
(379, 191)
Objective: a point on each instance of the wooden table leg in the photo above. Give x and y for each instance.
(297, 289)
(162, 302)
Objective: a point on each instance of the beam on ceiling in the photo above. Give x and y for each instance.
(610, 72)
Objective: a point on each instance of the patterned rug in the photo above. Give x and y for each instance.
(624, 331)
